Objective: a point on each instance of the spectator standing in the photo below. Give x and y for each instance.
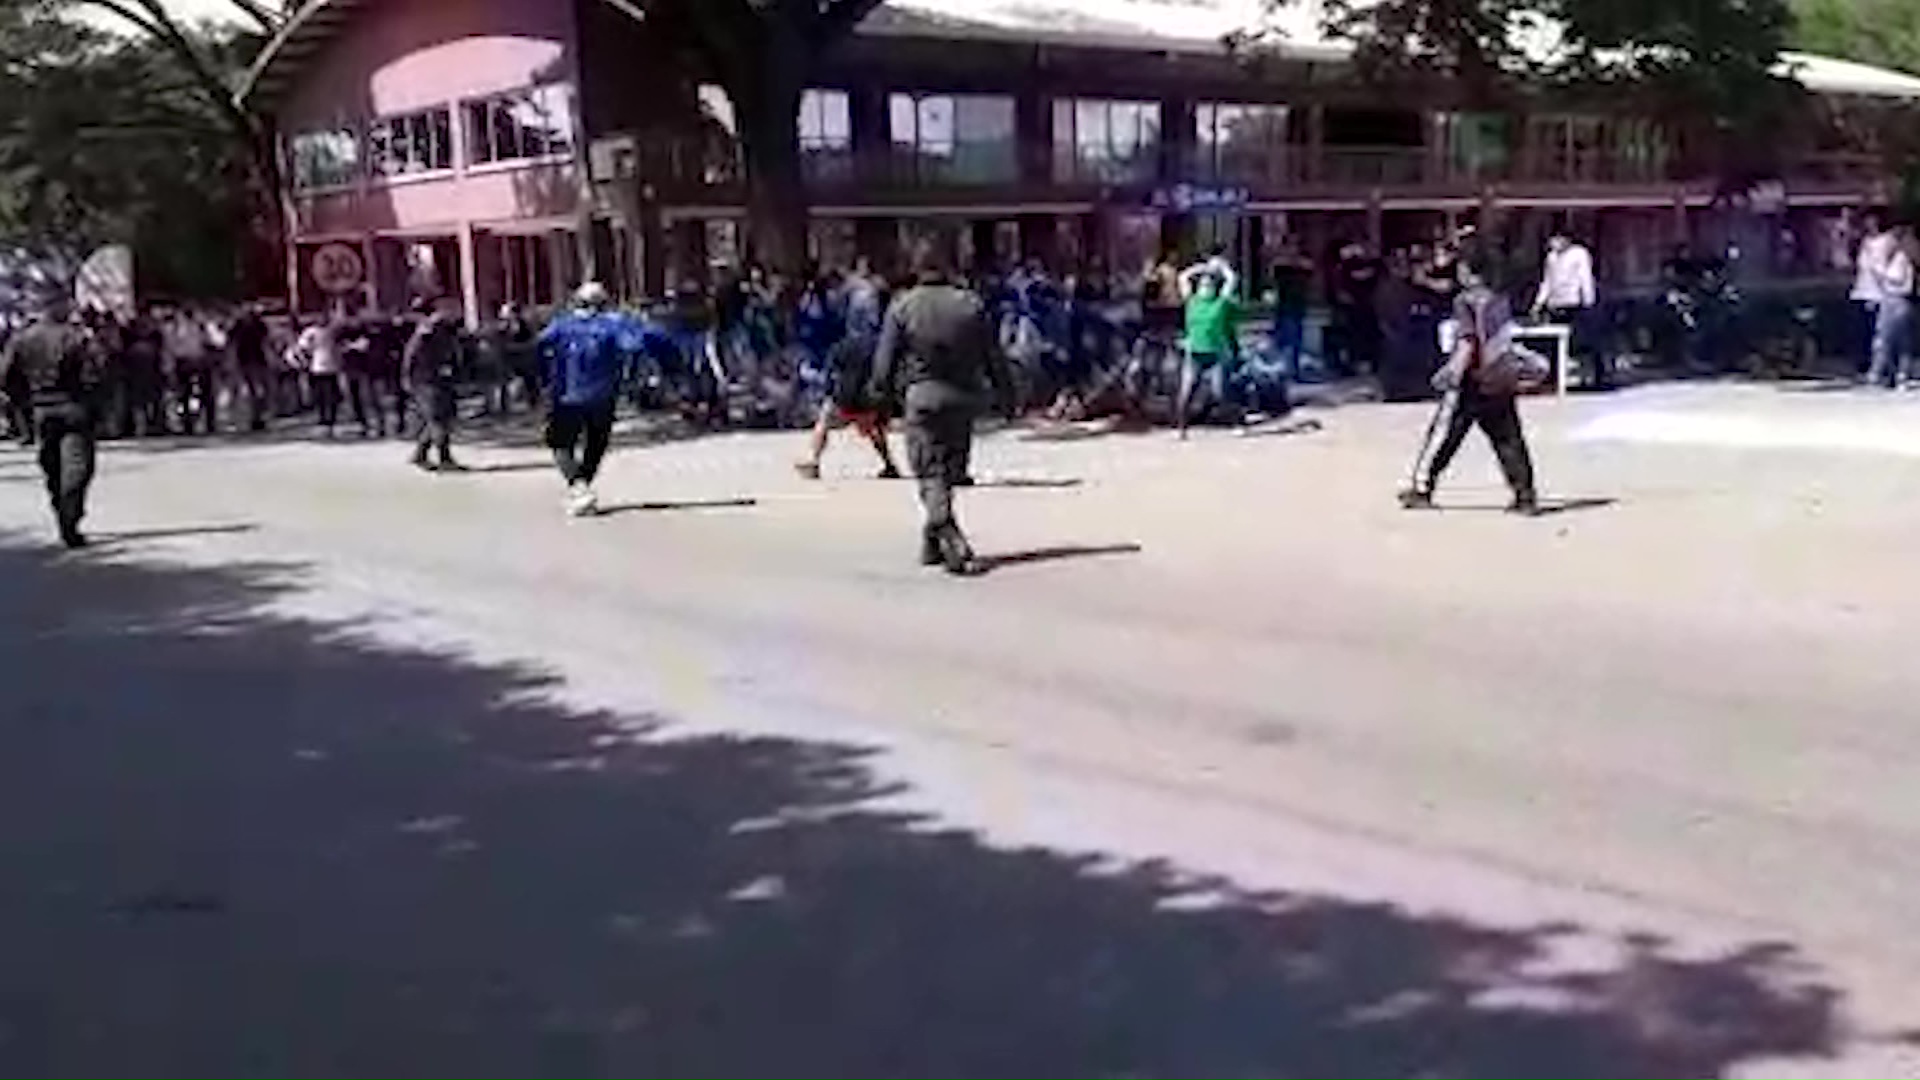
(1292, 293)
(191, 372)
(1893, 311)
(1568, 296)
(1876, 247)
(249, 340)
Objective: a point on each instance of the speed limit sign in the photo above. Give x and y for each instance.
(338, 268)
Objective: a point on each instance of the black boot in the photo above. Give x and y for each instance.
(1416, 499)
(1525, 504)
(930, 554)
(956, 554)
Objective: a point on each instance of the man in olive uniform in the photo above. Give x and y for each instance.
(58, 369)
(431, 372)
(937, 342)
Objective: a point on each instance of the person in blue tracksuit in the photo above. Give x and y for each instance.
(584, 355)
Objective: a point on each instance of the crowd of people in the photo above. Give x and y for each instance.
(823, 351)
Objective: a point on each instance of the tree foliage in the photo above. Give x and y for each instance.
(1708, 67)
(108, 137)
(763, 52)
(1885, 33)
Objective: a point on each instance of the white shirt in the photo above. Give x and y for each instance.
(322, 351)
(184, 340)
(1870, 267)
(1897, 275)
(1567, 279)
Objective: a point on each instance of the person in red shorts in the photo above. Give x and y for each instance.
(851, 362)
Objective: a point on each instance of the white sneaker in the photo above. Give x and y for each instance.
(581, 501)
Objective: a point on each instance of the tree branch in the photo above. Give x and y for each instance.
(269, 19)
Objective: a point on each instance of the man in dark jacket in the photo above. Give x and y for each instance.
(938, 343)
(57, 368)
(584, 357)
(430, 370)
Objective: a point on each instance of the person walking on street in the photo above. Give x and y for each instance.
(584, 356)
(320, 344)
(430, 369)
(938, 343)
(1567, 296)
(58, 370)
(1213, 346)
(1481, 382)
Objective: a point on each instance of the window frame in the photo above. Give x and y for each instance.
(1073, 165)
(484, 118)
(351, 136)
(378, 140)
(948, 160)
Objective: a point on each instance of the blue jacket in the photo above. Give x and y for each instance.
(584, 357)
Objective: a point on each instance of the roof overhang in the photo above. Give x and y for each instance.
(1167, 26)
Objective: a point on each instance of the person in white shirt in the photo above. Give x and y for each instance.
(1568, 296)
(194, 392)
(1892, 286)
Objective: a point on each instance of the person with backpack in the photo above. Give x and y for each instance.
(430, 371)
(1482, 382)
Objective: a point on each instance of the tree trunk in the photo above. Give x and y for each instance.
(770, 151)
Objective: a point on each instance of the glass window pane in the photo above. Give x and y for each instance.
(936, 125)
(902, 119)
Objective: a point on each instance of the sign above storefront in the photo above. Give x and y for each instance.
(1193, 198)
(338, 268)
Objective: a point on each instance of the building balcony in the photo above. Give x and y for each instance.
(691, 171)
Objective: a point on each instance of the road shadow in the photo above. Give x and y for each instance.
(989, 563)
(1548, 507)
(1305, 425)
(269, 845)
(128, 537)
(1030, 483)
(664, 506)
(498, 468)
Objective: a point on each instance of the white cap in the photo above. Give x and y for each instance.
(590, 294)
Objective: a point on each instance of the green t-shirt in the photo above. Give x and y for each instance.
(1213, 325)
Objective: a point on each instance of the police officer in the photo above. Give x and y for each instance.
(937, 342)
(58, 370)
(431, 373)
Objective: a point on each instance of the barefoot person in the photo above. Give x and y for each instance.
(938, 344)
(850, 363)
(584, 356)
(58, 371)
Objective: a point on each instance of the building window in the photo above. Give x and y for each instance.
(520, 126)
(1240, 144)
(325, 159)
(826, 135)
(1107, 142)
(955, 138)
(413, 143)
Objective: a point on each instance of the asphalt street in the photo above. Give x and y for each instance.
(317, 765)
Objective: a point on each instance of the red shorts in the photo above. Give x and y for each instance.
(866, 420)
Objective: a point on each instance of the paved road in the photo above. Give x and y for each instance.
(316, 765)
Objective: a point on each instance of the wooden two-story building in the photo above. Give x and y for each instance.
(504, 149)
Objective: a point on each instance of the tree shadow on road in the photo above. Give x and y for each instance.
(245, 843)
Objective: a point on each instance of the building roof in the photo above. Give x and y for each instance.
(1151, 25)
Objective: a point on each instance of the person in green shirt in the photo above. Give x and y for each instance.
(1213, 340)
